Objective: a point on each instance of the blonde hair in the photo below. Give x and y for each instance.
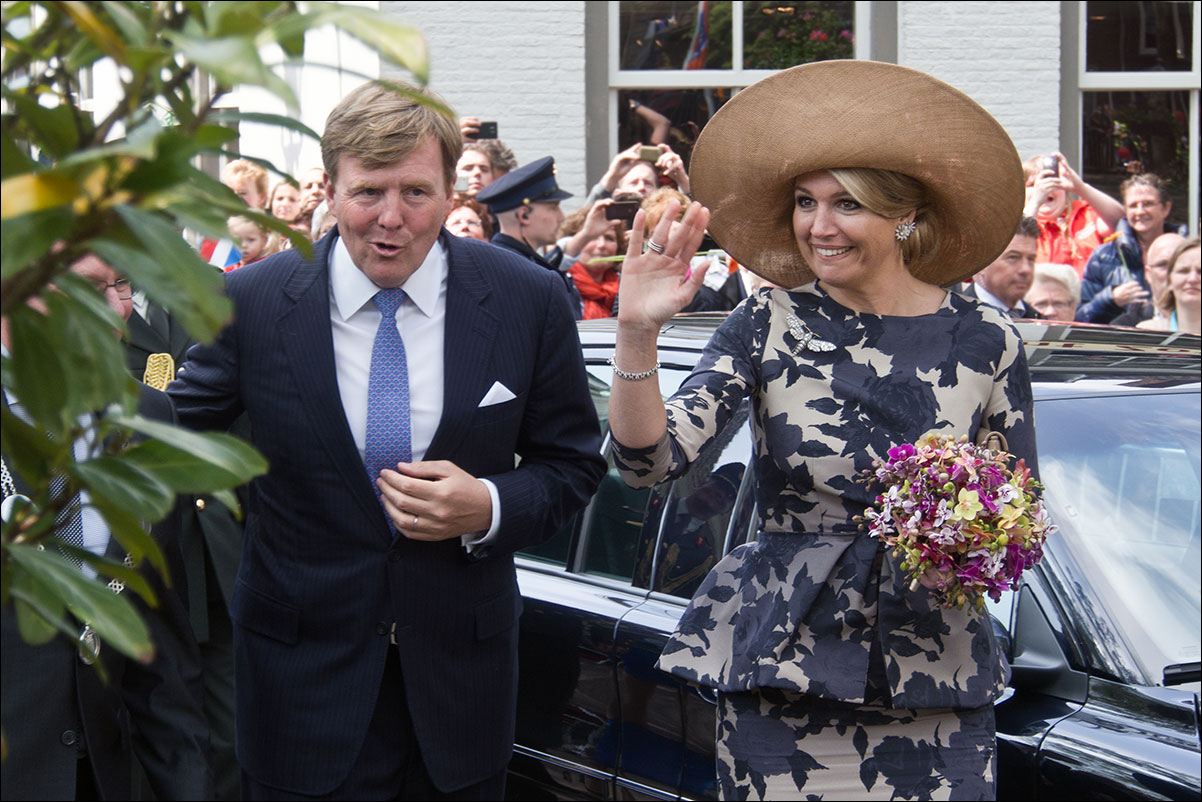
(380, 126)
(274, 242)
(893, 196)
(248, 170)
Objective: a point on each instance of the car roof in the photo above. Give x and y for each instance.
(1065, 359)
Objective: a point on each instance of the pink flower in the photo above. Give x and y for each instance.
(818, 36)
(846, 34)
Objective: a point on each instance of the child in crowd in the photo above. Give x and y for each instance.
(248, 181)
(253, 240)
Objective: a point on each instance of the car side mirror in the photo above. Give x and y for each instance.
(1038, 661)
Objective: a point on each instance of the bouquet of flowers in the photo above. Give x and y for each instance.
(964, 522)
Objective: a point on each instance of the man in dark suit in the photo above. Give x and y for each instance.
(210, 543)
(391, 381)
(71, 736)
(1005, 281)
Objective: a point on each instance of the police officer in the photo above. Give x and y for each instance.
(526, 205)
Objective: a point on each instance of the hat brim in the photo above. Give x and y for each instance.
(856, 114)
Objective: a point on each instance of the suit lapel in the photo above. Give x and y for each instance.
(143, 336)
(471, 329)
(309, 354)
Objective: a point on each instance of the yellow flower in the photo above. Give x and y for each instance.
(1010, 515)
(969, 505)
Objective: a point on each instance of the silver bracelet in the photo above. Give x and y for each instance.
(632, 377)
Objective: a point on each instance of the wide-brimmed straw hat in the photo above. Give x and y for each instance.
(856, 114)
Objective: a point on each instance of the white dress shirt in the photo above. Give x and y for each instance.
(421, 320)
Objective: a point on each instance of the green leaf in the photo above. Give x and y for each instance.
(181, 470)
(39, 609)
(86, 332)
(134, 582)
(292, 124)
(54, 130)
(34, 192)
(13, 160)
(401, 44)
(41, 377)
(95, 29)
(29, 237)
(125, 485)
(128, 22)
(131, 533)
(230, 500)
(161, 263)
(111, 615)
(223, 452)
(233, 60)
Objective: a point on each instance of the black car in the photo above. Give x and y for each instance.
(1103, 637)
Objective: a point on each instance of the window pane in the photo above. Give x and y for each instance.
(1140, 131)
(558, 547)
(674, 35)
(615, 527)
(1138, 37)
(776, 35)
(672, 116)
(699, 510)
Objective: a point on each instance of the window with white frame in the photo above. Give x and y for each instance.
(673, 63)
(1138, 72)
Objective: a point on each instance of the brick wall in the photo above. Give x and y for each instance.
(1005, 56)
(521, 64)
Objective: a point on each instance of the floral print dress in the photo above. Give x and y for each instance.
(814, 607)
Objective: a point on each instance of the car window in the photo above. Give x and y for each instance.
(621, 523)
(698, 512)
(557, 549)
(1122, 483)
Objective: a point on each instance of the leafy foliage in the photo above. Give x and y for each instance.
(123, 187)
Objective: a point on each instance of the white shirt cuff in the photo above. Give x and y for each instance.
(475, 540)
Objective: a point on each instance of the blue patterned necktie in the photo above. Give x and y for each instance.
(388, 437)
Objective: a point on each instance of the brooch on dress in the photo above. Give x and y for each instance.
(806, 339)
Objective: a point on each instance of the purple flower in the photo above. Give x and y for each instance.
(905, 450)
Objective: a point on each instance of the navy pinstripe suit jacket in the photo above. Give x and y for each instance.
(322, 579)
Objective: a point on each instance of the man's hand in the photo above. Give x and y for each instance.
(671, 165)
(1129, 292)
(469, 128)
(435, 500)
(620, 166)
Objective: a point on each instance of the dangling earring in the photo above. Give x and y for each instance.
(904, 230)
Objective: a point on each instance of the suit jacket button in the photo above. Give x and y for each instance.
(68, 738)
(200, 503)
(382, 628)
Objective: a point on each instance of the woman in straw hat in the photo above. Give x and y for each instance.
(861, 189)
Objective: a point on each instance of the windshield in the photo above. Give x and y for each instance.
(1122, 480)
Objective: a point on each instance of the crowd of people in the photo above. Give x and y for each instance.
(1078, 255)
(391, 401)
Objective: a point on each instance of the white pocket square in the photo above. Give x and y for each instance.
(497, 394)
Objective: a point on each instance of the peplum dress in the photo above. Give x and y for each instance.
(814, 608)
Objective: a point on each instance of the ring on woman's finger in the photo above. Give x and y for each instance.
(415, 522)
(652, 245)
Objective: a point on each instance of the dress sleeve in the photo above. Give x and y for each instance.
(698, 412)
(1011, 408)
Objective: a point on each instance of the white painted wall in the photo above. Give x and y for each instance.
(348, 63)
(520, 64)
(1005, 56)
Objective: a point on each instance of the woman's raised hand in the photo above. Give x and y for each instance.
(657, 283)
